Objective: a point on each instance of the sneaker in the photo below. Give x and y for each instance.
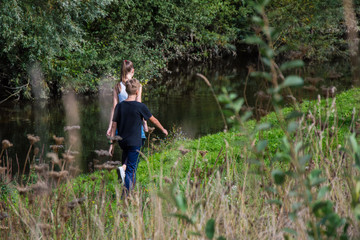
(121, 174)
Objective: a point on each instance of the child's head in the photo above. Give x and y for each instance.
(127, 70)
(132, 86)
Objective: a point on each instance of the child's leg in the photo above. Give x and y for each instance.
(131, 167)
(124, 157)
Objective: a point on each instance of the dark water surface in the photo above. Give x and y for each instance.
(180, 99)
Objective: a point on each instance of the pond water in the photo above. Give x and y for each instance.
(180, 100)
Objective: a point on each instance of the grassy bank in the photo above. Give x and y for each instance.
(294, 174)
(221, 185)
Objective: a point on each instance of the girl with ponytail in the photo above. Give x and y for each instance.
(119, 95)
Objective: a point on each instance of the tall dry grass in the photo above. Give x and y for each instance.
(232, 193)
(246, 194)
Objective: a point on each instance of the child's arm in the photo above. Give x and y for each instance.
(115, 102)
(112, 134)
(158, 125)
(138, 96)
(146, 129)
(138, 99)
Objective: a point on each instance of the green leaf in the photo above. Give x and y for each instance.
(322, 192)
(266, 61)
(292, 127)
(238, 104)
(181, 202)
(261, 75)
(258, 8)
(291, 64)
(322, 208)
(257, 20)
(304, 159)
(292, 81)
(314, 178)
(286, 143)
(294, 114)
(254, 40)
(278, 176)
(266, 2)
(232, 96)
(299, 146)
(296, 206)
(246, 116)
(357, 212)
(210, 228)
(315, 173)
(273, 91)
(353, 142)
(228, 113)
(268, 52)
(292, 216)
(263, 126)
(261, 145)
(223, 98)
(221, 238)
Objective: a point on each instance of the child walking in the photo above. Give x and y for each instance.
(119, 95)
(128, 118)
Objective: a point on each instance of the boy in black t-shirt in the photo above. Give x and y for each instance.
(128, 118)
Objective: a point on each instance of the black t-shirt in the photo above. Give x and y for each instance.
(129, 115)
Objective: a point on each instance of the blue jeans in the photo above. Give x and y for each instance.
(130, 157)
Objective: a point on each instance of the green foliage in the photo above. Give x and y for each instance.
(355, 184)
(310, 189)
(314, 29)
(76, 43)
(174, 196)
(210, 228)
(48, 32)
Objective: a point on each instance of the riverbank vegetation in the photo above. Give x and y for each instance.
(47, 46)
(222, 185)
(294, 174)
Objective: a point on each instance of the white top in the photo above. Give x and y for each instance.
(123, 94)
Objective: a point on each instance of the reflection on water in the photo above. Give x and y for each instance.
(180, 99)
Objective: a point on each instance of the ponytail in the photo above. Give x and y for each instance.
(126, 67)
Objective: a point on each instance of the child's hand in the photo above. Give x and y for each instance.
(146, 129)
(111, 149)
(165, 132)
(108, 132)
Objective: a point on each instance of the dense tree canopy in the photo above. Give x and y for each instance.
(77, 42)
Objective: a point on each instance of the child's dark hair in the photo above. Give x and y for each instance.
(126, 67)
(132, 86)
